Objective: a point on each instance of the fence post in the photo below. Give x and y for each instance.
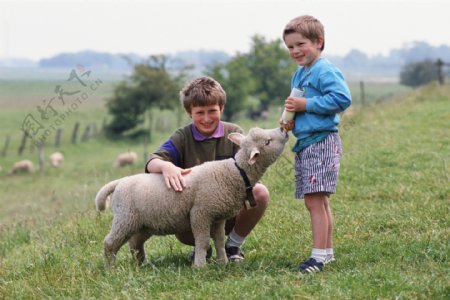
(5, 147)
(22, 143)
(363, 93)
(179, 111)
(94, 130)
(41, 157)
(103, 128)
(32, 146)
(151, 125)
(145, 149)
(440, 63)
(75, 132)
(58, 137)
(86, 132)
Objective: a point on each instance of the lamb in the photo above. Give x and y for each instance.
(22, 166)
(143, 206)
(56, 159)
(127, 158)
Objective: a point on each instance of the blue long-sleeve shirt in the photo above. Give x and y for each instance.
(326, 95)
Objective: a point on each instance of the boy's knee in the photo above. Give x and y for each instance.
(316, 200)
(261, 195)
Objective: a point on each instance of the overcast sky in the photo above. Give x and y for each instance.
(38, 29)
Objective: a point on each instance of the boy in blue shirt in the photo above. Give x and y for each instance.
(318, 147)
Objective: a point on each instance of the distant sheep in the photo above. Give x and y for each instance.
(127, 158)
(56, 159)
(25, 166)
(216, 191)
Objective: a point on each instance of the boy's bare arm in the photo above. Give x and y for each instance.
(173, 175)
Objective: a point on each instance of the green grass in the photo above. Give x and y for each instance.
(391, 222)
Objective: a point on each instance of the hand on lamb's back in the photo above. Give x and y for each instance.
(174, 176)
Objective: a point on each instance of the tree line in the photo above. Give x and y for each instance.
(253, 82)
(354, 63)
(422, 72)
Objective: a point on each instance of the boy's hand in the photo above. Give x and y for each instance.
(292, 104)
(290, 125)
(295, 104)
(173, 176)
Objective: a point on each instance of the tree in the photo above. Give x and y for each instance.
(236, 80)
(419, 73)
(355, 59)
(271, 68)
(150, 85)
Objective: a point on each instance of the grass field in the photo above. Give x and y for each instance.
(391, 219)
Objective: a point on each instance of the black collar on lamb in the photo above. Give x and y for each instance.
(248, 187)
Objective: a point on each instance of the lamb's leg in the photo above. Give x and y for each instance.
(121, 231)
(201, 246)
(201, 230)
(136, 244)
(218, 235)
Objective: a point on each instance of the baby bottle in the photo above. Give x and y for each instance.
(289, 115)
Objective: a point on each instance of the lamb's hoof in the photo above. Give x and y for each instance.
(142, 262)
(222, 260)
(191, 256)
(198, 266)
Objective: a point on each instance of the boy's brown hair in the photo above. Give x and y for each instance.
(308, 26)
(202, 91)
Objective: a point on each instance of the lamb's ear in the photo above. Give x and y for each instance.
(236, 137)
(253, 156)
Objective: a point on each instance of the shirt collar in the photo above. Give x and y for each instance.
(198, 136)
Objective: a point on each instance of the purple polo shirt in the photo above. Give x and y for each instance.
(170, 147)
(198, 136)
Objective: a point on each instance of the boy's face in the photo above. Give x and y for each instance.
(304, 51)
(206, 118)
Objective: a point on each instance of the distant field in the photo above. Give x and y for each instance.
(29, 91)
(376, 91)
(82, 104)
(20, 98)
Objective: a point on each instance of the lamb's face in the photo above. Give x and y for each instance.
(264, 145)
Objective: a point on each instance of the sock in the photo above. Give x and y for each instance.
(319, 254)
(234, 240)
(330, 255)
(330, 252)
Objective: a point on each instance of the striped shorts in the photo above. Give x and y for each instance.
(317, 167)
